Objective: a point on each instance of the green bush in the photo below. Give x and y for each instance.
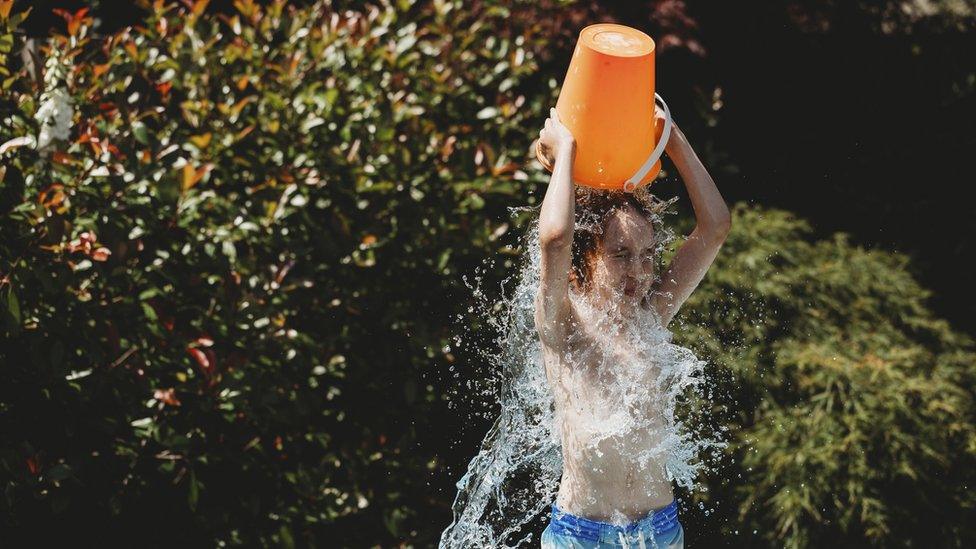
(850, 407)
(222, 291)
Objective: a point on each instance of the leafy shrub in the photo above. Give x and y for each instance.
(850, 407)
(221, 292)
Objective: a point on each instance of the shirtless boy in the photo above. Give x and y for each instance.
(606, 498)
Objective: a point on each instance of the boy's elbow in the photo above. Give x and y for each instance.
(717, 229)
(555, 238)
(724, 225)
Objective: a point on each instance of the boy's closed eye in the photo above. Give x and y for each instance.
(623, 254)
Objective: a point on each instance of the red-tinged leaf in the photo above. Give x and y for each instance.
(101, 254)
(283, 271)
(166, 396)
(192, 176)
(448, 147)
(507, 168)
(239, 106)
(33, 466)
(52, 196)
(201, 359)
(62, 158)
(5, 6)
(99, 70)
(295, 60)
(163, 88)
(211, 359)
(241, 134)
(189, 177)
(74, 20)
(199, 7)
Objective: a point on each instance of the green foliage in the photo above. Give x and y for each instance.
(223, 290)
(851, 408)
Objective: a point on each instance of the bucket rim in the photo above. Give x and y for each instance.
(589, 32)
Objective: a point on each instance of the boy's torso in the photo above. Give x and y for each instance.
(611, 427)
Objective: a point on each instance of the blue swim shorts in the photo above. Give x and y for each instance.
(659, 529)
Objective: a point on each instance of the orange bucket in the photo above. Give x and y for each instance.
(608, 103)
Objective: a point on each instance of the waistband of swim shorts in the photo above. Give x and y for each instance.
(660, 520)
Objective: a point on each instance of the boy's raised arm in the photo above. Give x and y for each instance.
(712, 224)
(556, 224)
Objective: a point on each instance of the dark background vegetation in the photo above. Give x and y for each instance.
(855, 116)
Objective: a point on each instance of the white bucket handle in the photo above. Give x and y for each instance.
(635, 180)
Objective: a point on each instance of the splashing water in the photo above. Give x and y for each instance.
(629, 409)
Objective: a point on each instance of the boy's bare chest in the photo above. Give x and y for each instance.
(608, 360)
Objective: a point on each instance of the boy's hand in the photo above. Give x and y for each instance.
(674, 140)
(555, 138)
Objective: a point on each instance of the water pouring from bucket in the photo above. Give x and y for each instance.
(609, 104)
(516, 474)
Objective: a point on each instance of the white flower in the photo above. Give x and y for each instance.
(56, 111)
(55, 115)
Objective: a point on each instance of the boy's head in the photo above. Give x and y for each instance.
(615, 248)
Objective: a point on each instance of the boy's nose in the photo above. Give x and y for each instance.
(634, 266)
(637, 272)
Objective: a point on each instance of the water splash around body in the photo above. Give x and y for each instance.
(625, 412)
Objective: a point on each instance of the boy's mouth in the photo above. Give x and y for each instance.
(630, 288)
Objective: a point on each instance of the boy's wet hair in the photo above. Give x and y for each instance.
(593, 209)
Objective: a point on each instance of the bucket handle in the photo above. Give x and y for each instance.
(635, 179)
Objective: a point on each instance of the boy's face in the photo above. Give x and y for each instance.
(623, 267)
